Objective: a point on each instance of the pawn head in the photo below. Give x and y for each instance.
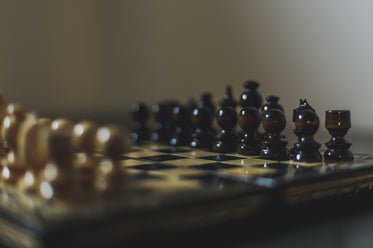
(273, 121)
(249, 118)
(226, 117)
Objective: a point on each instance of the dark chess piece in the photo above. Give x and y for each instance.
(272, 103)
(182, 131)
(249, 121)
(338, 123)
(306, 125)
(251, 97)
(192, 104)
(302, 106)
(226, 140)
(273, 145)
(163, 123)
(140, 115)
(206, 103)
(203, 135)
(228, 100)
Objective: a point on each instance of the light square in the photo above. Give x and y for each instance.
(133, 162)
(249, 172)
(140, 154)
(187, 162)
(247, 162)
(196, 154)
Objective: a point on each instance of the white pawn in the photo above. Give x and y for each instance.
(86, 164)
(112, 143)
(57, 177)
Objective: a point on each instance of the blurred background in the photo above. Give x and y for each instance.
(92, 59)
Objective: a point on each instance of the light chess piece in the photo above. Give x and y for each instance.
(13, 168)
(57, 177)
(112, 143)
(33, 151)
(86, 164)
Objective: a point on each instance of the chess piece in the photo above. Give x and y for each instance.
(203, 135)
(338, 123)
(84, 138)
(228, 100)
(112, 143)
(3, 113)
(192, 104)
(272, 103)
(13, 169)
(226, 139)
(57, 178)
(16, 114)
(206, 103)
(33, 150)
(182, 132)
(140, 116)
(249, 121)
(251, 97)
(273, 145)
(306, 125)
(163, 123)
(303, 105)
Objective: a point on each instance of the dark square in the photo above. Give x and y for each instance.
(146, 176)
(215, 166)
(221, 157)
(172, 150)
(154, 166)
(133, 150)
(124, 158)
(161, 158)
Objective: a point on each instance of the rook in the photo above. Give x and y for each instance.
(140, 116)
(338, 123)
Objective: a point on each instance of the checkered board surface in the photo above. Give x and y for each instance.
(185, 162)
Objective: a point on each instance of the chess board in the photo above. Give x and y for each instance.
(175, 189)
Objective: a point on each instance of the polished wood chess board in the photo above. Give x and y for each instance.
(172, 189)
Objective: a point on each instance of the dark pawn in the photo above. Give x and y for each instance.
(206, 103)
(228, 100)
(306, 125)
(226, 139)
(251, 97)
(249, 121)
(163, 123)
(182, 132)
(338, 123)
(272, 103)
(140, 115)
(203, 135)
(273, 145)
